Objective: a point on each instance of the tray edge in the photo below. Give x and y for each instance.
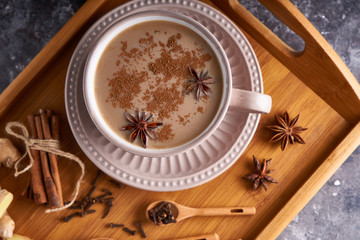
(312, 185)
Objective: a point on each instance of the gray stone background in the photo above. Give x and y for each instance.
(26, 26)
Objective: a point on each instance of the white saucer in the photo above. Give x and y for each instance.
(201, 163)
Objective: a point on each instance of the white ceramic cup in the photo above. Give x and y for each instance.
(246, 101)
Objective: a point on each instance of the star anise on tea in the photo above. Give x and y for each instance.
(261, 175)
(140, 125)
(286, 131)
(198, 82)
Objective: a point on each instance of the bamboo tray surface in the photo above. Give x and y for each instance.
(300, 170)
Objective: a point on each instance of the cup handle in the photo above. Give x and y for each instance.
(248, 101)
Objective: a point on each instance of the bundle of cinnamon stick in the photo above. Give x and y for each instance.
(45, 185)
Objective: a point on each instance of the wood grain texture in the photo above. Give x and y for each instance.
(300, 170)
(318, 65)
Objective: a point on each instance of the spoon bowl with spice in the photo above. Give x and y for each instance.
(166, 212)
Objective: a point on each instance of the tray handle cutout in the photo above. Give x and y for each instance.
(318, 65)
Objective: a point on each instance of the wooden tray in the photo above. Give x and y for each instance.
(315, 83)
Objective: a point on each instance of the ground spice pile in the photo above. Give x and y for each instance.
(165, 133)
(123, 87)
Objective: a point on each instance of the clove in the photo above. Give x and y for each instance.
(108, 207)
(106, 200)
(99, 198)
(89, 205)
(107, 192)
(82, 214)
(132, 232)
(68, 218)
(138, 223)
(114, 225)
(96, 177)
(88, 201)
(88, 197)
(78, 205)
(115, 183)
(75, 207)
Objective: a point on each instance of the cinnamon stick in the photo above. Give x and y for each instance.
(55, 134)
(54, 170)
(51, 191)
(27, 187)
(37, 184)
(30, 193)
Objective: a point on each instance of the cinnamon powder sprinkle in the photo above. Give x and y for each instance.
(184, 120)
(181, 119)
(165, 133)
(164, 101)
(165, 73)
(124, 86)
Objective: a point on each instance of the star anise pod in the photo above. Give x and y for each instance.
(286, 130)
(198, 82)
(140, 125)
(261, 176)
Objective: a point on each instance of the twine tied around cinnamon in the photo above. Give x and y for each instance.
(48, 145)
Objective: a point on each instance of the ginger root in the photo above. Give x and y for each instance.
(5, 200)
(18, 237)
(8, 153)
(7, 226)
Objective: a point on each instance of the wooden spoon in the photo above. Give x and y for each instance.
(202, 237)
(181, 212)
(102, 239)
